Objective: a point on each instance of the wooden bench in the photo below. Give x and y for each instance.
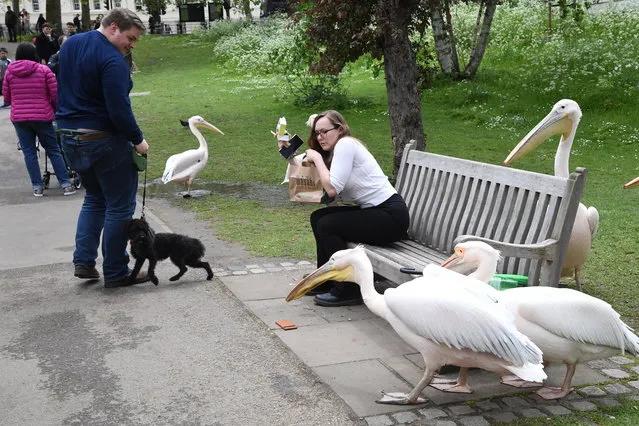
(527, 216)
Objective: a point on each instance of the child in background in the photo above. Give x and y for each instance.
(4, 63)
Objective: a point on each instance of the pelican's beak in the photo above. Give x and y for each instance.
(458, 263)
(633, 182)
(553, 124)
(210, 126)
(452, 261)
(326, 272)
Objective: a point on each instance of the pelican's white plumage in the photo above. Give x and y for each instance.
(568, 326)
(447, 317)
(563, 119)
(183, 167)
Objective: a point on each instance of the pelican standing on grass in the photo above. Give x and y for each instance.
(183, 167)
(563, 119)
(568, 326)
(449, 318)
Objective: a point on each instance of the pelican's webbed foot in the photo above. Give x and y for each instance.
(548, 393)
(451, 386)
(398, 398)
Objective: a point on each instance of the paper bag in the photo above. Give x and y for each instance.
(304, 183)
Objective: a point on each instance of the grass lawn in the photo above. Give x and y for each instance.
(479, 120)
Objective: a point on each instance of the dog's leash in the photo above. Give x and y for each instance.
(144, 193)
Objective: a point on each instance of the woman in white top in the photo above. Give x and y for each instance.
(349, 170)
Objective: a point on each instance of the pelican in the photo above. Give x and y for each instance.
(568, 326)
(446, 316)
(633, 182)
(183, 167)
(563, 119)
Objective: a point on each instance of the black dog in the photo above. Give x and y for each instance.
(146, 244)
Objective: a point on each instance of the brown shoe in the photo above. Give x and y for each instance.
(86, 272)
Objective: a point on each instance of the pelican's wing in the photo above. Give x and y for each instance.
(571, 314)
(180, 166)
(168, 169)
(443, 307)
(593, 221)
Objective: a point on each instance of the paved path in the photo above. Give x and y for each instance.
(73, 352)
(200, 352)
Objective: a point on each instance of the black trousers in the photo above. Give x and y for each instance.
(336, 226)
(12, 33)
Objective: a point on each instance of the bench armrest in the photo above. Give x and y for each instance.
(541, 251)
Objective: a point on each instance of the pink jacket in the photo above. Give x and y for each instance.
(31, 89)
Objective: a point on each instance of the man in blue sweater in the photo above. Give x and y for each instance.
(99, 132)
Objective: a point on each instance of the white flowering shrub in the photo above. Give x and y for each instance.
(595, 59)
(218, 30)
(259, 48)
(275, 46)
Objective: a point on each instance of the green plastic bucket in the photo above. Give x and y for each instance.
(505, 281)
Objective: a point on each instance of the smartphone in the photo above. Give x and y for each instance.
(295, 142)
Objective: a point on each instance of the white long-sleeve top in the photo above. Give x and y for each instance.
(356, 176)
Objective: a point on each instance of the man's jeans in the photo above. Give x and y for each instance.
(27, 132)
(107, 172)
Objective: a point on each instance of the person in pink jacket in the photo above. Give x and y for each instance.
(31, 89)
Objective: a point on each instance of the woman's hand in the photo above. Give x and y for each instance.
(314, 156)
(325, 175)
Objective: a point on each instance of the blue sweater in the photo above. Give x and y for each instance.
(94, 83)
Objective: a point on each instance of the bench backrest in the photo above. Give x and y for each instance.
(448, 197)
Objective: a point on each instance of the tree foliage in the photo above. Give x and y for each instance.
(394, 31)
(341, 31)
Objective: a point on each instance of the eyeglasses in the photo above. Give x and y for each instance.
(323, 133)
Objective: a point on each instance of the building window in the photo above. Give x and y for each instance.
(97, 4)
(138, 5)
(36, 5)
(76, 4)
(117, 3)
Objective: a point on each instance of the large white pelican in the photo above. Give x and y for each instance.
(449, 318)
(563, 119)
(183, 167)
(633, 182)
(568, 326)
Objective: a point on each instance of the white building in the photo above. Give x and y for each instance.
(71, 8)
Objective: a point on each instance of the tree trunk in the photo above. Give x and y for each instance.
(451, 38)
(54, 16)
(404, 104)
(477, 26)
(246, 7)
(442, 39)
(87, 25)
(479, 49)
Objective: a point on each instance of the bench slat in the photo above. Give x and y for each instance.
(448, 197)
